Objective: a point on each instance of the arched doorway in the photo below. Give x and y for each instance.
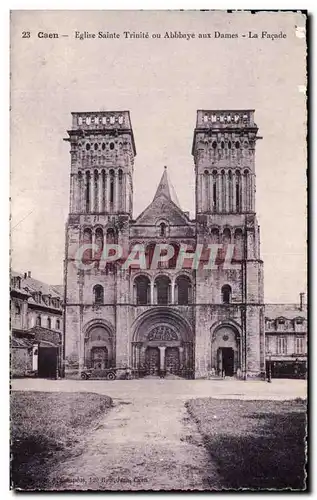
(225, 350)
(162, 343)
(99, 348)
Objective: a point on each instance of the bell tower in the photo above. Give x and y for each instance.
(102, 151)
(102, 158)
(224, 155)
(224, 158)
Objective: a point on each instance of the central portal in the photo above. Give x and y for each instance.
(162, 344)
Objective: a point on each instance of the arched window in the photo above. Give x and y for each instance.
(163, 230)
(49, 323)
(238, 191)
(111, 236)
(142, 290)
(206, 190)
(120, 191)
(223, 191)
(214, 191)
(98, 294)
(80, 194)
(99, 242)
(111, 180)
(247, 191)
(87, 192)
(38, 321)
(103, 202)
(238, 244)
(226, 294)
(162, 285)
(230, 192)
(96, 186)
(87, 241)
(214, 233)
(183, 290)
(58, 324)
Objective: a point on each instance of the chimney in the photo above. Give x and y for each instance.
(301, 300)
(25, 276)
(29, 274)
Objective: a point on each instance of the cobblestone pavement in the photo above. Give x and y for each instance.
(147, 441)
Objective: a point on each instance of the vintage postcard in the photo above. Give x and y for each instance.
(158, 250)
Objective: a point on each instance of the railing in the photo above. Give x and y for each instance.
(100, 120)
(225, 118)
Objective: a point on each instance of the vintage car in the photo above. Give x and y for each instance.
(107, 373)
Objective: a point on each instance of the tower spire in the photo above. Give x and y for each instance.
(166, 188)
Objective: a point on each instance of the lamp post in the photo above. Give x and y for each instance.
(269, 375)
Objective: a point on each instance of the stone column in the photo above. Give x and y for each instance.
(162, 357)
(227, 192)
(181, 355)
(211, 192)
(92, 192)
(127, 193)
(234, 201)
(152, 292)
(252, 191)
(100, 192)
(173, 292)
(219, 192)
(116, 192)
(79, 194)
(243, 192)
(72, 207)
(107, 193)
(199, 192)
(142, 354)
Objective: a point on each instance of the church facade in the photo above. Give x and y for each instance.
(194, 308)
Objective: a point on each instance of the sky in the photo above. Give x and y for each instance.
(162, 82)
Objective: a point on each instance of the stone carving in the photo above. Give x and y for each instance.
(162, 333)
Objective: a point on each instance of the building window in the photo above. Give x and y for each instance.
(111, 176)
(142, 289)
(281, 345)
(267, 344)
(226, 294)
(162, 229)
(38, 321)
(299, 345)
(183, 290)
(58, 324)
(98, 294)
(87, 192)
(17, 310)
(49, 323)
(162, 284)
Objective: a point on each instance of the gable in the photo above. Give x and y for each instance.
(162, 207)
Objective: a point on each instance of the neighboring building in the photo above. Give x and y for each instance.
(192, 323)
(286, 339)
(36, 326)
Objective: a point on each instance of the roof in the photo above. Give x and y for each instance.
(166, 188)
(38, 286)
(21, 342)
(288, 311)
(30, 287)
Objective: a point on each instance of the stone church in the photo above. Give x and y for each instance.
(191, 321)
